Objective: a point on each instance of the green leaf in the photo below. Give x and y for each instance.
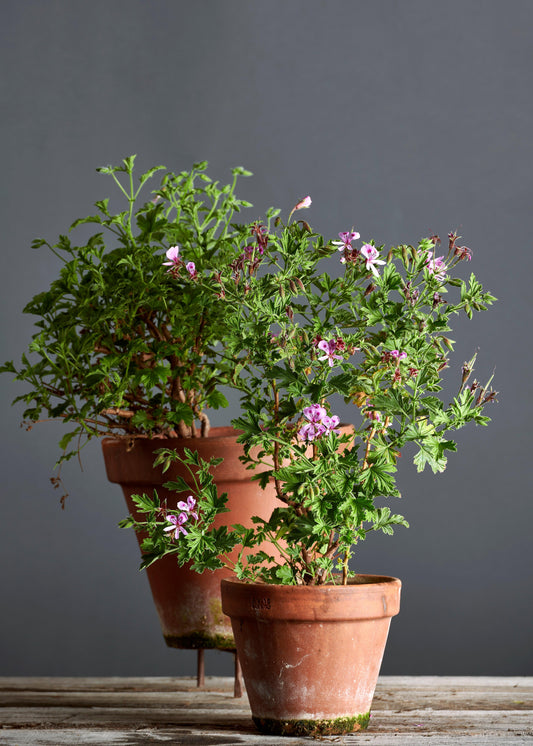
(65, 440)
(177, 484)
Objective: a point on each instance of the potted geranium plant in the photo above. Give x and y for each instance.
(131, 346)
(310, 632)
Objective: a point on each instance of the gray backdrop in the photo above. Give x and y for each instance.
(399, 118)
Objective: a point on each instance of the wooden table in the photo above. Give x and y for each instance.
(141, 711)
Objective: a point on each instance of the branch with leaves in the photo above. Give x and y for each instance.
(375, 336)
(130, 337)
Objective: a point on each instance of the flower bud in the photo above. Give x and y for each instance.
(303, 204)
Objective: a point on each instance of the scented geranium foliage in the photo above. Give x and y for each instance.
(129, 336)
(311, 334)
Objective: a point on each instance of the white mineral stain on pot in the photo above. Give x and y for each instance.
(294, 665)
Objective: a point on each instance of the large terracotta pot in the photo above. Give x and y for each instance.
(311, 655)
(188, 603)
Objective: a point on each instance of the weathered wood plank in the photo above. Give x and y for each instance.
(135, 712)
(515, 693)
(147, 737)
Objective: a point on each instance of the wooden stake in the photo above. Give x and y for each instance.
(200, 670)
(237, 689)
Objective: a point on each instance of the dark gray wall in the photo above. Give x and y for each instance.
(400, 118)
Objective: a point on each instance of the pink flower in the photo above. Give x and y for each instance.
(191, 269)
(177, 522)
(303, 204)
(346, 239)
(173, 254)
(345, 244)
(437, 266)
(371, 255)
(319, 423)
(329, 348)
(389, 355)
(188, 506)
(375, 417)
(314, 413)
(311, 430)
(330, 423)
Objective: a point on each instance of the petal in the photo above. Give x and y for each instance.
(173, 253)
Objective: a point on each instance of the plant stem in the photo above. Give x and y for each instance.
(345, 568)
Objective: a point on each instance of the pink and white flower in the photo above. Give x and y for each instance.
(191, 269)
(177, 522)
(188, 507)
(331, 423)
(437, 267)
(173, 255)
(398, 355)
(303, 204)
(345, 244)
(319, 423)
(315, 413)
(329, 348)
(371, 255)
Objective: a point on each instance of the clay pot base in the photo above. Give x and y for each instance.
(202, 640)
(333, 727)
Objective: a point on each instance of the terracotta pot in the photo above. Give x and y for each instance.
(188, 603)
(311, 655)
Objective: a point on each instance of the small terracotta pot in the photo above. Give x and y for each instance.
(188, 603)
(311, 655)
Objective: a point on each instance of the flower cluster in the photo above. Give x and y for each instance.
(461, 252)
(368, 252)
(318, 423)
(177, 521)
(175, 263)
(249, 260)
(389, 355)
(294, 330)
(437, 266)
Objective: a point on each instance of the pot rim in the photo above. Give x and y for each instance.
(376, 597)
